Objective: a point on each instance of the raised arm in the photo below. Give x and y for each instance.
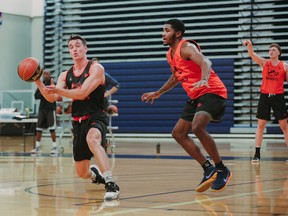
(256, 58)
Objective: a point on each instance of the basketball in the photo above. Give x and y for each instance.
(111, 109)
(29, 69)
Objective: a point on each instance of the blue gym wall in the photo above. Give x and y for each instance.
(136, 78)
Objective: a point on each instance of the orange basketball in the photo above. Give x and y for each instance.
(29, 69)
(111, 109)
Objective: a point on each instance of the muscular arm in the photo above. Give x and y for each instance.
(256, 58)
(171, 83)
(42, 88)
(92, 82)
(190, 51)
(286, 70)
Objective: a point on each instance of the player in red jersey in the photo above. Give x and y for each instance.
(274, 72)
(207, 101)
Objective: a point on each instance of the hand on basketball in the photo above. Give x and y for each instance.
(29, 69)
(150, 96)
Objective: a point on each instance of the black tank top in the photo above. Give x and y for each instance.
(94, 102)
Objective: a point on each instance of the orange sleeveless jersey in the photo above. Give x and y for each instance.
(188, 73)
(273, 78)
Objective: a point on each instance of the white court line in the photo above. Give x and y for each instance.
(187, 203)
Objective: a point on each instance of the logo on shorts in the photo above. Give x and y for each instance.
(199, 104)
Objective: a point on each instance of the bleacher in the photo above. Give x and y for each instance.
(123, 33)
(136, 78)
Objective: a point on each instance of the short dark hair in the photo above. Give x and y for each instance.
(277, 46)
(76, 37)
(177, 25)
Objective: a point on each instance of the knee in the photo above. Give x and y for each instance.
(284, 128)
(178, 135)
(197, 129)
(92, 141)
(261, 127)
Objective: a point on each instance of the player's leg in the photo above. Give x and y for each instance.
(263, 114)
(39, 128)
(261, 125)
(94, 139)
(51, 123)
(38, 141)
(180, 134)
(280, 113)
(211, 107)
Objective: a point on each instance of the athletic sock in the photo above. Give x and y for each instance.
(37, 144)
(220, 165)
(257, 151)
(206, 165)
(108, 176)
(93, 175)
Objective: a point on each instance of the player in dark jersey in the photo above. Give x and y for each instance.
(84, 83)
(274, 73)
(207, 102)
(112, 85)
(46, 117)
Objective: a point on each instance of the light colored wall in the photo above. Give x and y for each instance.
(21, 36)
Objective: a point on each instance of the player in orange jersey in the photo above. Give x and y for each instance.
(207, 102)
(274, 72)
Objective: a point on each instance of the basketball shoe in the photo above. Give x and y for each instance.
(112, 191)
(256, 159)
(36, 150)
(223, 177)
(99, 179)
(54, 151)
(209, 177)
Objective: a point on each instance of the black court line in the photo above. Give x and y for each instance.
(29, 190)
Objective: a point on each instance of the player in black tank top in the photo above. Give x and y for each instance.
(84, 83)
(94, 103)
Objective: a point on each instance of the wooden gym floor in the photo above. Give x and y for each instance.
(151, 184)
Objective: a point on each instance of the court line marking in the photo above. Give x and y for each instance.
(190, 202)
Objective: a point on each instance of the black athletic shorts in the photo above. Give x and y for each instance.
(46, 120)
(81, 149)
(274, 101)
(211, 105)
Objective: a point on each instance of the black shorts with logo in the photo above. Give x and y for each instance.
(81, 149)
(274, 101)
(211, 105)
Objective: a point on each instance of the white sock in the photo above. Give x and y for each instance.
(93, 175)
(108, 176)
(54, 144)
(38, 144)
